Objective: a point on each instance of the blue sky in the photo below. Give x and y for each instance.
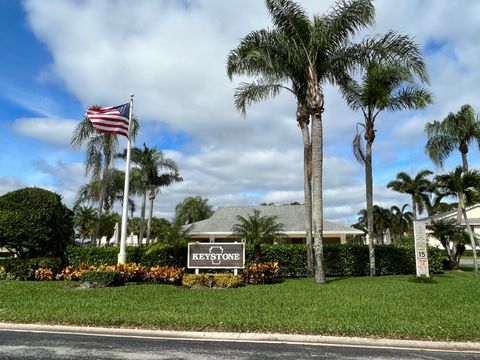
(60, 56)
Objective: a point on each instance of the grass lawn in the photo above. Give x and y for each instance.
(387, 306)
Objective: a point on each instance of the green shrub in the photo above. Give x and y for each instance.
(421, 279)
(103, 278)
(160, 254)
(291, 258)
(339, 259)
(35, 223)
(24, 269)
(212, 280)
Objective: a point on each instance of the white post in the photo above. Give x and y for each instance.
(122, 256)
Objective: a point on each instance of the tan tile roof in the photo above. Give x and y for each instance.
(292, 216)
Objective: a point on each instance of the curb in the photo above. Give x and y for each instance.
(248, 337)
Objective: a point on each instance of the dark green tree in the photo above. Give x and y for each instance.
(35, 223)
(192, 209)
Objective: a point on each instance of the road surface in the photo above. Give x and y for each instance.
(41, 346)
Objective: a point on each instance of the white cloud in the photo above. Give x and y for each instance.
(172, 56)
(55, 131)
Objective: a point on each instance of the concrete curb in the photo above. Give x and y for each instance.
(249, 337)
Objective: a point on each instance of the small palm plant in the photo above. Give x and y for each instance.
(256, 229)
(452, 237)
(464, 186)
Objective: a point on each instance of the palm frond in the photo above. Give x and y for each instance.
(256, 91)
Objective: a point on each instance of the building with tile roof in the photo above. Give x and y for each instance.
(218, 227)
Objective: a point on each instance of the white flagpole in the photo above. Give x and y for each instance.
(122, 256)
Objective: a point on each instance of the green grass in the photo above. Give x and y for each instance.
(387, 306)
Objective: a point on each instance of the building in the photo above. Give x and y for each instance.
(218, 227)
(473, 214)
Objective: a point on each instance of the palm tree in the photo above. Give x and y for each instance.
(256, 229)
(274, 74)
(84, 221)
(114, 187)
(385, 86)
(452, 237)
(193, 209)
(456, 131)
(317, 51)
(149, 162)
(165, 179)
(99, 156)
(401, 221)
(464, 186)
(417, 187)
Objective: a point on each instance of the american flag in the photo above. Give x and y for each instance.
(110, 120)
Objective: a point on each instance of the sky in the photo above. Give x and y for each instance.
(60, 56)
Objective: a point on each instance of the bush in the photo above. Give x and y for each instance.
(165, 275)
(35, 223)
(103, 278)
(291, 258)
(421, 279)
(212, 280)
(43, 274)
(160, 254)
(263, 273)
(339, 259)
(131, 272)
(24, 269)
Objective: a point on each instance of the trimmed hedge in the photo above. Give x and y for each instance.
(340, 259)
(165, 256)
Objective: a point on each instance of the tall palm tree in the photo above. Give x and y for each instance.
(149, 162)
(417, 187)
(256, 229)
(456, 131)
(273, 74)
(100, 150)
(464, 186)
(385, 86)
(193, 209)
(165, 179)
(317, 51)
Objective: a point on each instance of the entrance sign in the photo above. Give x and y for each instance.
(216, 256)
(421, 256)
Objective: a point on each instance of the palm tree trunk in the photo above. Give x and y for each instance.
(414, 209)
(464, 162)
(472, 239)
(150, 215)
(100, 207)
(142, 218)
(369, 200)
(317, 205)
(307, 186)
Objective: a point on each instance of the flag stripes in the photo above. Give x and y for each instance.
(110, 120)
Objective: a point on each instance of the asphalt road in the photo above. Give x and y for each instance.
(30, 345)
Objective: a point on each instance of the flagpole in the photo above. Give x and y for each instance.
(122, 256)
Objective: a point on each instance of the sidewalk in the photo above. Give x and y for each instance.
(249, 337)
